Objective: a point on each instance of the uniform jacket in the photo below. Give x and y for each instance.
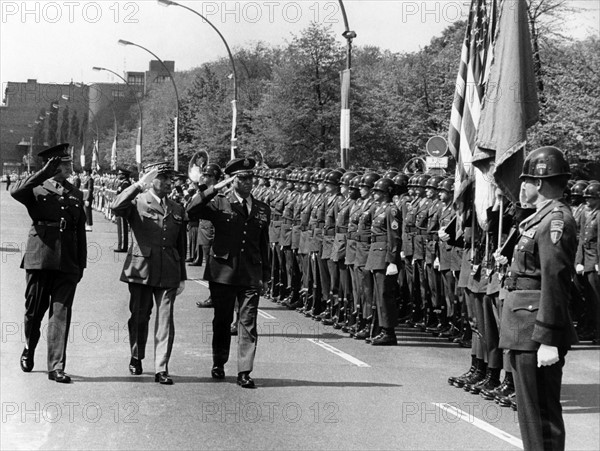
(409, 228)
(342, 218)
(57, 238)
(331, 208)
(588, 250)
(156, 256)
(363, 233)
(88, 189)
(300, 203)
(421, 217)
(316, 222)
(287, 217)
(545, 253)
(240, 251)
(447, 252)
(353, 219)
(385, 237)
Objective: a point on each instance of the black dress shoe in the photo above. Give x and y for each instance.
(245, 381)
(27, 360)
(59, 376)
(135, 367)
(217, 372)
(163, 378)
(384, 339)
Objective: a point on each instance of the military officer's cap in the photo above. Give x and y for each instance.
(123, 171)
(61, 150)
(163, 168)
(240, 166)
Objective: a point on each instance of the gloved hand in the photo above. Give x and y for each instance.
(402, 254)
(547, 355)
(391, 270)
(436, 263)
(500, 259)
(144, 182)
(51, 168)
(223, 183)
(579, 269)
(181, 288)
(598, 269)
(86, 203)
(443, 235)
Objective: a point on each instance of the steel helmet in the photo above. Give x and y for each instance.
(333, 177)
(368, 180)
(355, 182)
(423, 179)
(347, 177)
(401, 181)
(545, 162)
(434, 181)
(385, 185)
(413, 181)
(213, 170)
(447, 185)
(592, 191)
(390, 173)
(579, 187)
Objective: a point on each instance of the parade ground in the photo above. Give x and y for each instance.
(316, 388)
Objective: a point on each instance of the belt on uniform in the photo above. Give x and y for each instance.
(522, 283)
(431, 237)
(288, 221)
(62, 224)
(276, 217)
(411, 229)
(341, 229)
(362, 238)
(379, 239)
(329, 232)
(590, 244)
(304, 227)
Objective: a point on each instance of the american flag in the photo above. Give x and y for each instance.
(475, 61)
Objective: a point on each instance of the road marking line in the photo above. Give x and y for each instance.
(262, 314)
(339, 353)
(484, 426)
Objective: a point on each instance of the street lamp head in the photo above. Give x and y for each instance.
(349, 34)
(124, 42)
(167, 3)
(97, 68)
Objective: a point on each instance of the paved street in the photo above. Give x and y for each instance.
(317, 389)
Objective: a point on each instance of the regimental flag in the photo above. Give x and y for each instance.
(113, 155)
(345, 117)
(138, 147)
(466, 109)
(82, 156)
(511, 103)
(233, 129)
(95, 156)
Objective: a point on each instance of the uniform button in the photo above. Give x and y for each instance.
(244, 232)
(164, 239)
(244, 242)
(530, 307)
(62, 208)
(242, 250)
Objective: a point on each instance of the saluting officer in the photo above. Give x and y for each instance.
(536, 324)
(237, 268)
(122, 224)
(55, 257)
(154, 266)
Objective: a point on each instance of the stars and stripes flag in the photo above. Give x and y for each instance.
(95, 156)
(345, 117)
(466, 109)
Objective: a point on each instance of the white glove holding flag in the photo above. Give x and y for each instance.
(500, 259)
(547, 355)
(443, 235)
(579, 269)
(436, 263)
(391, 270)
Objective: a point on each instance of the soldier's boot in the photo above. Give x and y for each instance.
(466, 336)
(427, 320)
(436, 321)
(506, 388)
(387, 337)
(476, 378)
(365, 332)
(509, 400)
(453, 380)
(490, 394)
(461, 382)
(342, 314)
(331, 314)
(491, 381)
(350, 320)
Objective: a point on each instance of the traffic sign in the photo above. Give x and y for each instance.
(436, 162)
(437, 146)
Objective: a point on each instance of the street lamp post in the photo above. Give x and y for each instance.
(176, 152)
(345, 114)
(235, 86)
(138, 146)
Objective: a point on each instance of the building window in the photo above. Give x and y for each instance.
(135, 79)
(118, 94)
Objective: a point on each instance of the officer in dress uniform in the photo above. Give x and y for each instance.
(55, 257)
(154, 266)
(88, 198)
(122, 225)
(237, 268)
(536, 325)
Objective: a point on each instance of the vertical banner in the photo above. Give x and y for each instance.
(176, 134)
(345, 117)
(138, 148)
(233, 128)
(82, 157)
(113, 155)
(95, 157)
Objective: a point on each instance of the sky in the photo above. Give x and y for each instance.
(60, 41)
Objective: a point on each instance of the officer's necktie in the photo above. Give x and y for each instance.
(245, 205)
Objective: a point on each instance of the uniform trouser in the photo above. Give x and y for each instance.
(53, 291)
(480, 322)
(409, 271)
(89, 219)
(345, 290)
(140, 306)
(366, 291)
(325, 278)
(193, 243)
(275, 266)
(423, 285)
(354, 279)
(384, 288)
(492, 335)
(224, 298)
(334, 277)
(434, 284)
(305, 265)
(291, 270)
(449, 283)
(538, 401)
(592, 286)
(122, 233)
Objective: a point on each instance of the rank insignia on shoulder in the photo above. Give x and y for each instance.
(394, 225)
(177, 217)
(529, 233)
(556, 230)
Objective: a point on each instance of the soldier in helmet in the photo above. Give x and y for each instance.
(122, 224)
(588, 254)
(536, 325)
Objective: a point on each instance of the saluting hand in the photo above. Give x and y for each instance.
(52, 166)
(223, 183)
(147, 178)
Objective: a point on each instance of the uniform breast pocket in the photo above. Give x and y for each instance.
(526, 256)
(149, 216)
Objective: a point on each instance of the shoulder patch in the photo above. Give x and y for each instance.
(394, 225)
(556, 229)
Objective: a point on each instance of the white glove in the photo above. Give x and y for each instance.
(402, 254)
(547, 355)
(443, 235)
(597, 269)
(500, 259)
(87, 203)
(436, 263)
(147, 178)
(579, 269)
(391, 270)
(181, 288)
(223, 183)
